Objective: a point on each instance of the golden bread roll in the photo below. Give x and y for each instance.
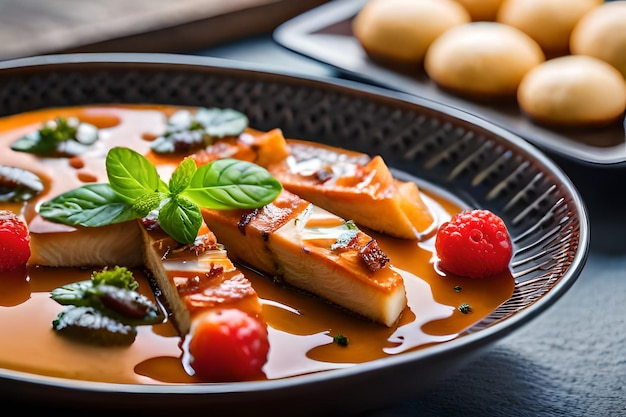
(399, 32)
(549, 22)
(482, 60)
(481, 10)
(573, 91)
(601, 33)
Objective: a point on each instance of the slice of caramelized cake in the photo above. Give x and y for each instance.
(192, 278)
(350, 184)
(311, 249)
(196, 277)
(58, 245)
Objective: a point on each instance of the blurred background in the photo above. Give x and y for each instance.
(39, 27)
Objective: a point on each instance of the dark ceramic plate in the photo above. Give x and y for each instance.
(325, 34)
(477, 162)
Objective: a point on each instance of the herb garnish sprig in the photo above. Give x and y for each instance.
(135, 189)
(187, 131)
(64, 136)
(105, 309)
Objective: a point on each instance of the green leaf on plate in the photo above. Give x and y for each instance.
(187, 131)
(181, 219)
(131, 175)
(91, 205)
(61, 135)
(182, 175)
(219, 123)
(229, 183)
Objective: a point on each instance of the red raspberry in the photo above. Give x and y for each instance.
(14, 241)
(474, 244)
(227, 345)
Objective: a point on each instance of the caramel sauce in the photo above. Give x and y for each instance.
(76, 162)
(301, 327)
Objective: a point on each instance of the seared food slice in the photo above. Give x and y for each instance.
(197, 277)
(59, 245)
(363, 191)
(309, 248)
(351, 184)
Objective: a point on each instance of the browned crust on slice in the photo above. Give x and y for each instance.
(279, 241)
(350, 184)
(197, 277)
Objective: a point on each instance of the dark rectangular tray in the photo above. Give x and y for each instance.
(325, 34)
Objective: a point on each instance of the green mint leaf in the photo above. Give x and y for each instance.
(182, 175)
(181, 219)
(91, 205)
(229, 183)
(131, 175)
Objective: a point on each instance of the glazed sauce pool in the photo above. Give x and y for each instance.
(301, 327)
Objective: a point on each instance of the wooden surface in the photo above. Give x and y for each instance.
(38, 27)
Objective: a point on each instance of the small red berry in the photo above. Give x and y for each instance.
(227, 345)
(474, 244)
(14, 241)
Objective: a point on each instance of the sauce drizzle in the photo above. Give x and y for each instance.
(301, 327)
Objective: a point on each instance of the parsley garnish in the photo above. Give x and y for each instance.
(340, 339)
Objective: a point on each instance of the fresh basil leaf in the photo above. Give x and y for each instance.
(221, 122)
(91, 205)
(181, 219)
(131, 175)
(182, 175)
(229, 183)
